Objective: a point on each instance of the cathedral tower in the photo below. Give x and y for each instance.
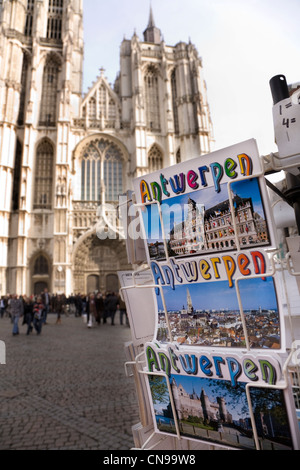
(164, 87)
(41, 80)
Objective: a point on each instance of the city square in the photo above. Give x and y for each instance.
(66, 389)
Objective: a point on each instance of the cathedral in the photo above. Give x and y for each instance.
(64, 154)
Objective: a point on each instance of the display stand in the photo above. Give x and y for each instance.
(147, 355)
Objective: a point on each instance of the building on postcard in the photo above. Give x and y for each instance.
(220, 230)
(213, 229)
(188, 236)
(199, 405)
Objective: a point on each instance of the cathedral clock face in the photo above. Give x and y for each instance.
(286, 116)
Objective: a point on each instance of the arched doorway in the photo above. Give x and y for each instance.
(39, 287)
(40, 273)
(112, 283)
(96, 264)
(92, 283)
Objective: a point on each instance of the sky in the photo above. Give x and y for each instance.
(243, 44)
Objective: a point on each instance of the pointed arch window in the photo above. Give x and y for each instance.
(113, 173)
(55, 15)
(17, 176)
(29, 18)
(112, 114)
(174, 102)
(49, 93)
(41, 266)
(151, 85)
(155, 159)
(102, 102)
(101, 164)
(43, 180)
(25, 67)
(92, 108)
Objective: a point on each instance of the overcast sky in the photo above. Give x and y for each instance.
(243, 44)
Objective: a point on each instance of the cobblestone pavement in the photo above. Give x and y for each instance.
(66, 389)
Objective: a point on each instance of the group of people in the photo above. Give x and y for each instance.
(96, 307)
(99, 307)
(32, 310)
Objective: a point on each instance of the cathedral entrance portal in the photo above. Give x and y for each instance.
(39, 287)
(40, 273)
(96, 263)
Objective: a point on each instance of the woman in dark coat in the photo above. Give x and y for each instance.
(28, 314)
(59, 307)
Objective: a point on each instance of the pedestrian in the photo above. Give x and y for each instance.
(46, 302)
(16, 309)
(92, 310)
(59, 308)
(38, 315)
(112, 306)
(2, 307)
(28, 314)
(122, 308)
(105, 306)
(99, 307)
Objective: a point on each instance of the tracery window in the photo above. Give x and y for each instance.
(29, 18)
(41, 265)
(55, 14)
(102, 102)
(23, 90)
(92, 108)
(112, 113)
(43, 181)
(152, 98)
(17, 176)
(49, 93)
(174, 102)
(101, 164)
(101, 106)
(155, 159)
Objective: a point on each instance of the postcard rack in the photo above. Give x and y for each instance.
(283, 385)
(277, 268)
(289, 368)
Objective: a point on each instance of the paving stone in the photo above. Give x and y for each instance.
(66, 388)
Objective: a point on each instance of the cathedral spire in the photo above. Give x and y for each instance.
(152, 33)
(151, 23)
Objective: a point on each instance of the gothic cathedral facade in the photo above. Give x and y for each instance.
(63, 154)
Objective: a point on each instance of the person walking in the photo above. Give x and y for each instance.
(16, 308)
(59, 308)
(99, 307)
(112, 306)
(38, 312)
(2, 307)
(122, 308)
(92, 310)
(46, 302)
(28, 314)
